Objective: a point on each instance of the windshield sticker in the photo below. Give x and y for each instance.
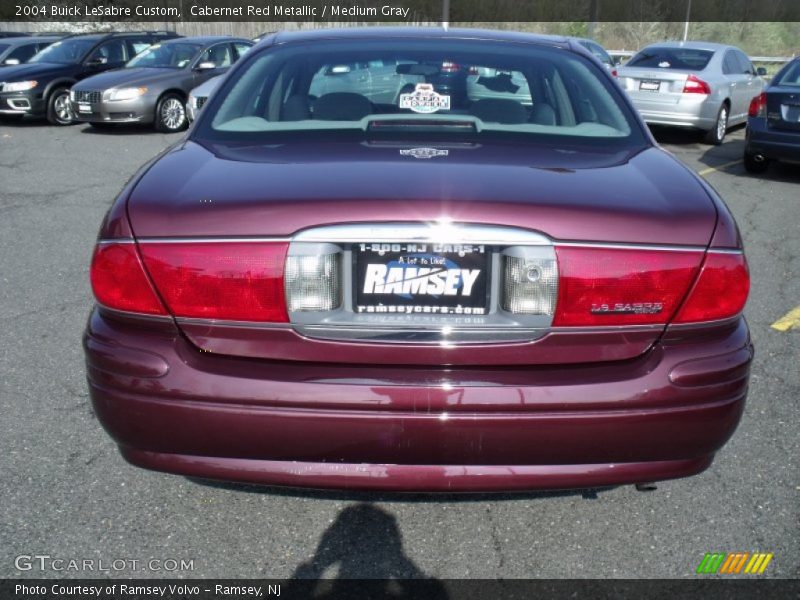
(424, 100)
(424, 152)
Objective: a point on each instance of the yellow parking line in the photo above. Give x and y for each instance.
(790, 320)
(710, 170)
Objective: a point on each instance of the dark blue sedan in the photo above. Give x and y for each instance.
(773, 126)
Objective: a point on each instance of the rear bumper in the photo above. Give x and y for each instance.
(173, 408)
(773, 144)
(691, 112)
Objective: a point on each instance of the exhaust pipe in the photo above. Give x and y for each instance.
(759, 158)
(646, 487)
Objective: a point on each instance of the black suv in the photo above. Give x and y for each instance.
(41, 86)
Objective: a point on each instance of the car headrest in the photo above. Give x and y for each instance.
(543, 114)
(342, 106)
(297, 108)
(498, 110)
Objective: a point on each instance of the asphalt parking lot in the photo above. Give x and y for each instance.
(67, 493)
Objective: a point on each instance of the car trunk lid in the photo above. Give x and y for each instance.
(570, 196)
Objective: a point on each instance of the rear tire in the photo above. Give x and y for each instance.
(716, 136)
(58, 110)
(752, 165)
(170, 114)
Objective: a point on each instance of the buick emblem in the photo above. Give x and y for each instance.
(424, 152)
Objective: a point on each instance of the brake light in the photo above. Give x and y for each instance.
(450, 67)
(695, 85)
(720, 291)
(120, 282)
(614, 73)
(758, 105)
(621, 286)
(238, 281)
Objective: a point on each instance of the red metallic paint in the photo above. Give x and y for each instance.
(312, 424)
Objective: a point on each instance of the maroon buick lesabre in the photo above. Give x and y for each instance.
(420, 260)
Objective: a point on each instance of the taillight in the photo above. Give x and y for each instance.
(239, 281)
(695, 85)
(758, 105)
(614, 73)
(450, 67)
(530, 285)
(621, 286)
(313, 282)
(120, 282)
(720, 291)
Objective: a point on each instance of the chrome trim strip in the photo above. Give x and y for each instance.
(442, 232)
(130, 313)
(610, 328)
(437, 336)
(613, 246)
(725, 251)
(225, 323)
(530, 239)
(703, 324)
(208, 240)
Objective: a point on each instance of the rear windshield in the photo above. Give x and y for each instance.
(417, 88)
(790, 76)
(686, 59)
(175, 55)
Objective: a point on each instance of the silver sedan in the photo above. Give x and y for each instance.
(696, 85)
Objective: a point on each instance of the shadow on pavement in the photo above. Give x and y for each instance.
(363, 543)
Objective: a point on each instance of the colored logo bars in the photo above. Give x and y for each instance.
(735, 562)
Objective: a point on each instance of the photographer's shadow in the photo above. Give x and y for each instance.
(364, 544)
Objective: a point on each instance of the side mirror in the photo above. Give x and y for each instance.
(11, 61)
(761, 71)
(205, 66)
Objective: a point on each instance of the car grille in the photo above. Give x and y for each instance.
(200, 101)
(90, 97)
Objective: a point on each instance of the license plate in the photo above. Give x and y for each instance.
(421, 278)
(649, 86)
(84, 108)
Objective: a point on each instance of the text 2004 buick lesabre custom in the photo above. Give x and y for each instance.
(415, 259)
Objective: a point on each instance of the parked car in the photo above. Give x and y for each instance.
(41, 86)
(600, 53)
(199, 95)
(17, 51)
(693, 85)
(773, 126)
(408, 295)
(153, 87)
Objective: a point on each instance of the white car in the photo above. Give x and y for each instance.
(199, 95)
